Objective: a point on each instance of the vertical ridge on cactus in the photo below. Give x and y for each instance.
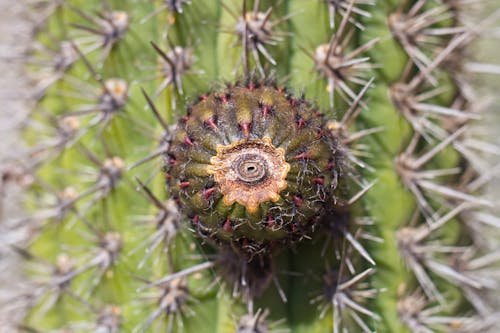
(331, 185)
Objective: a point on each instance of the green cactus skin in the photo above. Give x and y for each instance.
(115, 250)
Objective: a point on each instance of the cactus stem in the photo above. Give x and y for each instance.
(308, 190)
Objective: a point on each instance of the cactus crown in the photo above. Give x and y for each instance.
(253, 164)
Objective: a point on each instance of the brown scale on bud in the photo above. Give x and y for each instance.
(254, 167)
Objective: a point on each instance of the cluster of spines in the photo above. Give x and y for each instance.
(437, 153)
(409, 98)
(79, 67)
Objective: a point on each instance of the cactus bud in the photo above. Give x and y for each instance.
(252, 165)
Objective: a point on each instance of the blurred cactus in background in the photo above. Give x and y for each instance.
(256, 166)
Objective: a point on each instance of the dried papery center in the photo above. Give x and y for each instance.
(250, 172)
(250, 168)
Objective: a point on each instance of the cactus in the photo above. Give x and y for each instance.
(255, 166)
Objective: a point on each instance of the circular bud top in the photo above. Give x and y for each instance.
(253, 166)
(250, 172)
